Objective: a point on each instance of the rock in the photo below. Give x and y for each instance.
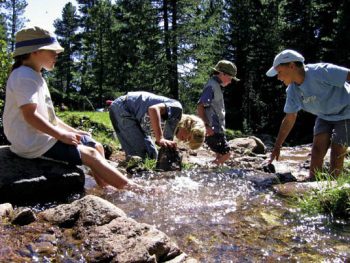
(90, 210)
(135, 165)
(108, 235)
(169, 159)
(269, 168)
(252, 144)
(296, 189)
(6, 210)
(31, 180)
(265, 180)
(23, 217)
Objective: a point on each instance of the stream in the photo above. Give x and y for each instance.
(216, 215)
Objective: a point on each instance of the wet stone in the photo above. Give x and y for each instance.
(43, 248)
(6, 210)
(23, 217)
(169, 160)
(269, 168)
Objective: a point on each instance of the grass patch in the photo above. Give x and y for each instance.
(150, 164)
(188, 166)
(332, 200)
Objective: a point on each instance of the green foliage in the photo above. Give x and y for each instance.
(5, 64)
(333, 200)
(169, 48)
(149, 164)
(232, 134)
(188, 166)
(14, 11)
(64, 79)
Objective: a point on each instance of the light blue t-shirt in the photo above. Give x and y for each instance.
(324, 92)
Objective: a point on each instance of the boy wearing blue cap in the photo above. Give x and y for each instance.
(322, 90)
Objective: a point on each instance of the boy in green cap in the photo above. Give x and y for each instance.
(211, 109)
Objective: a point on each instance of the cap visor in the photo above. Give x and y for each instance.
(271, 72)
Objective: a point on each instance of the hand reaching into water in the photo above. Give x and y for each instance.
(275, 154)
(136, 188)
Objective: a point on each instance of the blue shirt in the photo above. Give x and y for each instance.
(324, 92)
(212, 99)
(138, 103)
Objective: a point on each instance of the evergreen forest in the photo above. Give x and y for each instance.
(169, 47)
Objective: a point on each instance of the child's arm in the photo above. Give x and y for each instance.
(154, 113)
(69, 128)
(203, 116)
(31, 116)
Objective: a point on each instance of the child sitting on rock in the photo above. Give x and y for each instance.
(30, 123)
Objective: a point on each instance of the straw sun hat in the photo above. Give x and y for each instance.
(35, 38)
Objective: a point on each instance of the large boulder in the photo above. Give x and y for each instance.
(248, 144)
(31, 180)
(108, 235)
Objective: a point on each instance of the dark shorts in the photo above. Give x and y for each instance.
(69, 153)
(338, 130)
(218, 143)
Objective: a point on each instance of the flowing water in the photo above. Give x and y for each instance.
(221, 218)
(217, 215)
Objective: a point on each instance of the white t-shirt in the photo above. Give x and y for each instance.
(26, 86)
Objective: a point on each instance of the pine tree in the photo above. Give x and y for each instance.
(201, 28)
(15, 21)
(64, 77)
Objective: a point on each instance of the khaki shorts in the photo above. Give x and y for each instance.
(338, 130)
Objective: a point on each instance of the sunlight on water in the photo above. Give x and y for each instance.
(218, 216)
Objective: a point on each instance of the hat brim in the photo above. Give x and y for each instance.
(27, 50)
(54, 47)
(271, 72)
(234, 78)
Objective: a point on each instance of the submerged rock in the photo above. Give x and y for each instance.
(294, 189)
(30, 180)
(265, 180)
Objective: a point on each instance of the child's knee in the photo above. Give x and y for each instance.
(89, 154)
(99, 147)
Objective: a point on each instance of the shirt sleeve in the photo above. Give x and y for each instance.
(25, 91)
(333, 74)
(207, 96)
